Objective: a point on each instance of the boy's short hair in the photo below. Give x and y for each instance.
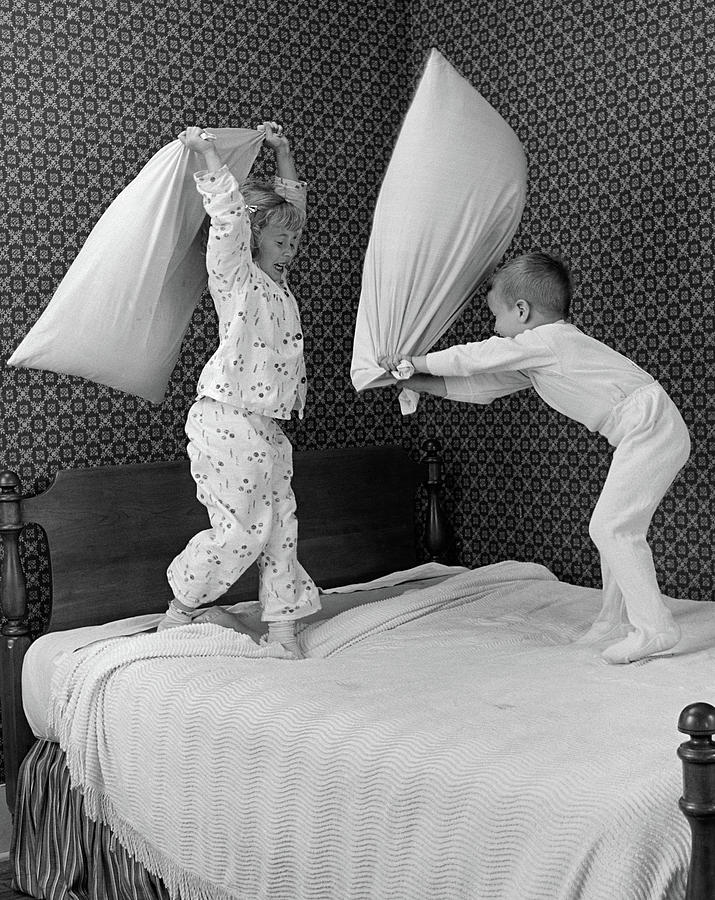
(541, 279)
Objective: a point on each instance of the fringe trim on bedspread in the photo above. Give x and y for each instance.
(58, 852)
(75, 715)
(80, 682)
(180, 884)
(232, 775)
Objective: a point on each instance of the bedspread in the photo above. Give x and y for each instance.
(451, 743)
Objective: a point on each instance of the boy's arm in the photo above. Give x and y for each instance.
(481, 389)
(484, 388)
(424, 384)
(494, 355)
(493, 369)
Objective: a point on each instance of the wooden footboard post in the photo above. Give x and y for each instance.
(437, 535)
(698, 800)
(16, 735)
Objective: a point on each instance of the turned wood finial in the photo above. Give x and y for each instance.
(9, 493)
(437, 535)
(13, 595)
(698, 800)
(16, 735)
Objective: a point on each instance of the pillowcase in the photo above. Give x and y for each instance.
(449, 205)
(120, 313)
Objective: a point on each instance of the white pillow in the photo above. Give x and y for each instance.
(449, 205)
(120, 313)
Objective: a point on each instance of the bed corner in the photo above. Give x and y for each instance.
(16, 734)
(698, 801)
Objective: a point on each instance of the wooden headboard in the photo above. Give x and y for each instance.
(112, 531)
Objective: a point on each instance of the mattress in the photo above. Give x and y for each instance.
(453, 741)
(49, 650)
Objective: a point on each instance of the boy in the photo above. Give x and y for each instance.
(593, 384)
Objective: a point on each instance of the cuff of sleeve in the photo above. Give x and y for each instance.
(432, 364)
(289, 184)
(218, 182)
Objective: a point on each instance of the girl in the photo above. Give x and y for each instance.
(240, 458)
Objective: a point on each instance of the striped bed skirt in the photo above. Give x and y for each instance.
(59, 853)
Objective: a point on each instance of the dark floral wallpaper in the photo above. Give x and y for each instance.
(613, 102)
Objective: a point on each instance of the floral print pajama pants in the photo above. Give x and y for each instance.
(242, 465)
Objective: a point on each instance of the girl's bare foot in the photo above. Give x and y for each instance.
(214, 615)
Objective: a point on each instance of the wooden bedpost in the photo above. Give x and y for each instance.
(16, 735)
(698, 800)
(437, 537)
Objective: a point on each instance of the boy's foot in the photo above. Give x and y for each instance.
(602, 631)
(638, 645)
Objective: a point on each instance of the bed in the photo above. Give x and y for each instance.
(445, 735)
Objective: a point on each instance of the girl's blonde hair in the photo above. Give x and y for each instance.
(265, 207)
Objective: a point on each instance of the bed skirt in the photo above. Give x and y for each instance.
(59, 853)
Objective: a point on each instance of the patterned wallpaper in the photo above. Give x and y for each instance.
(91, 89)
(613, 102)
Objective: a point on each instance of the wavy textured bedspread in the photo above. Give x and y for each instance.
(447, 743)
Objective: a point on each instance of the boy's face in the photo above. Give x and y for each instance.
(276, 247)
(508, 316)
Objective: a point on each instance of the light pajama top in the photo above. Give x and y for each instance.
(575, 374)
(258, 364)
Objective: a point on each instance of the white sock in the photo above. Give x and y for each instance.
(637, 645)
(177, 614)
(601, 631)
(283, 632)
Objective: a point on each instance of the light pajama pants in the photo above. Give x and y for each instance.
(242, 465)
(651, 446)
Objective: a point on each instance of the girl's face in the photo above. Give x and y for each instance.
(275, 248)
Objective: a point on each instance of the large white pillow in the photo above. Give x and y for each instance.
(120, 313)
(448, 207)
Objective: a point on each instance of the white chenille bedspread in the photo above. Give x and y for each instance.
(446, 744)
